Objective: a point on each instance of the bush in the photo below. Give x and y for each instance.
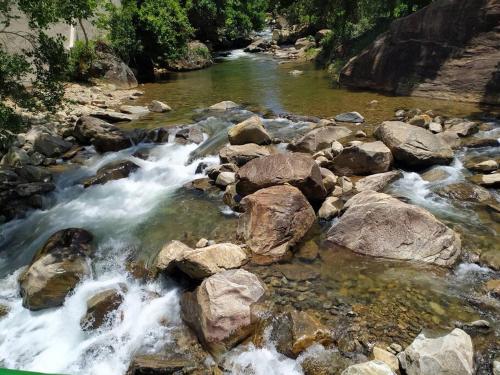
(80, 61)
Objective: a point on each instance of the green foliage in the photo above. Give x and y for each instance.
(80, 61)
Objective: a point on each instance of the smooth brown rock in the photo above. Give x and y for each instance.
(104, 136)
(296, 169)
(377, 182)
(275, 218)
(251, 130)
(487, 180)
(463, 191)
(366, 158)
(100, 306)
(413, 146)
(242, 154)
(319, 139)
(379, 225)
(170, 254)
(220, 309)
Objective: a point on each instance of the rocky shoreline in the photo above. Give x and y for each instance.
(253, 291)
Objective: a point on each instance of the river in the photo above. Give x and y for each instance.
(134, 217)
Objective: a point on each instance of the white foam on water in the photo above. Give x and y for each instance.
(465, 270)
(261, 361)
(52, 340)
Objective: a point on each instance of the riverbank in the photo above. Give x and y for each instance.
(170, 186)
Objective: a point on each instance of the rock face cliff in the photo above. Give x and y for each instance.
(449, 50)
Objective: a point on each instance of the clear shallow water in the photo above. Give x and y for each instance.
(136, 216)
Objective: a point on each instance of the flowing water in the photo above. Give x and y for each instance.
(370, 299)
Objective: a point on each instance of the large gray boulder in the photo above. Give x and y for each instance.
(275, 219)
(56, 269)
(48, 144)
(379, 225)
(366, 158)
(319, 139)
(413, 146)
(450, 354)
(251, 130)
(220, 309)
(112, 70)
(104, 136)
(297, 169)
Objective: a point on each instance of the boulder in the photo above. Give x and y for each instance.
(305, 43)
(56, 269)
(377, 182)
(258, 45)
(369, 368)
(354, 117)
(169, 255)
(462, 128)
(104, 136)
(214, 171)
(50, 145)
(112, 70)
(366, 158)
(425, 54)
(241, 155)
(413, 146)
(275, 218)
(249, 131)
(207, 261)
(110, 172)
(15, 157)
(379, 225)
(159, 107)
(422, 120)
(487, 180)
(220, 310)
(99, 308)
(388, 358)
(330, 208)
(136, 110)
(450, 354)
(191, 134)
(113, 116)
(197, 56)
(225, 178)
(296, 169)
(319, 139)
(484, 166)
(493, 287)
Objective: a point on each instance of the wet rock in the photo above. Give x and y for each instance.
(491, 258)
(15, 157)
(224, 106)
(56, 269)
(225, 178)
(169, 255)
(50, 145)
(324, 362)
(450, 138)
(232, 198)
(388, 358)
(297, 272)
(204, 185)
(480, 142)
(487, 180)
(214, 171)
(207, 261)
(137, 110)
(484, 166)
(379, 225)
(377, 182)
(435, 174)
(493, 287)
(450, 354)
(413, 146)
(369, 368)
(275, 218)
(251, 130)
(350, 117)
(319, 139)
(104, 136)
(462, 128)
(111, 172)
(330, 208)
(112, 116)
(240, 155)
(159, 107)
(4, 310)
(463, 191)
(100, 306)
(220, 309)
(152, 364)
(367, 158)
(191, 134)
(296, 72)
(258, 45)
(296, 169)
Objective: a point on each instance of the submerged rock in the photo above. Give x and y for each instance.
(487, 180)
(463, 191)
(413, 146)
(56, 269)
(224, 106)
(110, 172)
(220, 309)
(350, 117)
(296, 169)
(137, 110)
(366, 158)
(379, 225)
(100, 306)
(251, 130)
(242, 154)
(159, 107)
(450, 354)
(275, 218)
(369, 368)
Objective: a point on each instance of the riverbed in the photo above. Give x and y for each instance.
(370, 300)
